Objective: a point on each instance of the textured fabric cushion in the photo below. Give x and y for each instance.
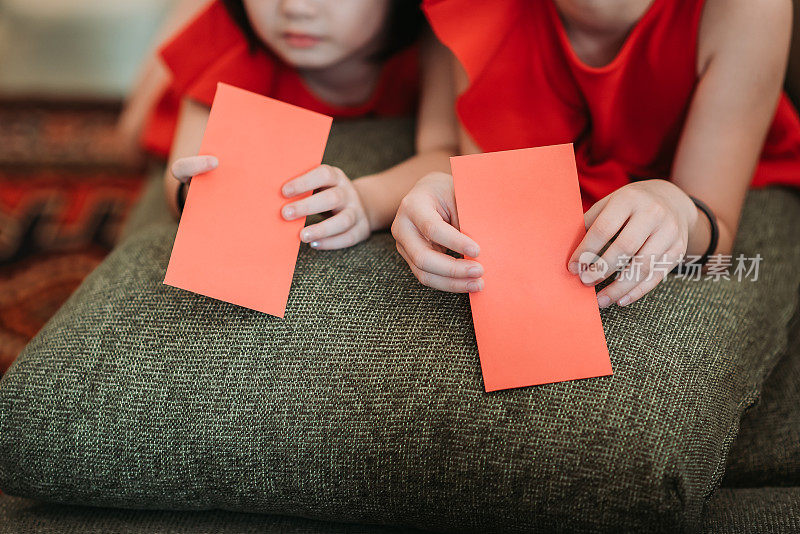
(730, 511)
(366, 405)
(24, 516)
(753, 511)
(767, 449)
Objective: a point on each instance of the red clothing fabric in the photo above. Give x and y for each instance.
(212, 49)
(528, 88)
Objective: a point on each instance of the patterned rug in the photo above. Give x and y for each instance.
(64, 193)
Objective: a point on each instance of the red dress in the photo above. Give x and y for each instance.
(528, 88)
(213, 49)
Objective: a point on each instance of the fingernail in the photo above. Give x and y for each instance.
(313, 244)
(587, 278)
(624, 301)
(288, 191)
(603, 301)
(477, 285)
(213, 161)
(474, 272)
(288, 213)
(305, 235)
(472, 251)
(573, 267)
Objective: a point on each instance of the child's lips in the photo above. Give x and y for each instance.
(301, 40)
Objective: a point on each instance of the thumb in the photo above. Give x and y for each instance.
(184, 169)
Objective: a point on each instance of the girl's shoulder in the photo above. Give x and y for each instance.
(738, 26)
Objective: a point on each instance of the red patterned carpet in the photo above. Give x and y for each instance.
(64, 193)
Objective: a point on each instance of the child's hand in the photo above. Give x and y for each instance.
(425, 226)
(653, 218)
(347, 226)
(184, 169)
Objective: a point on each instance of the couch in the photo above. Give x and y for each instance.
(141, 407)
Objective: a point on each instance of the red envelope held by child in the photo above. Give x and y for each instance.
(232, 242)
(535, 322)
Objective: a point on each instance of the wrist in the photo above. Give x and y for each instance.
(709, 229)
(364, 195)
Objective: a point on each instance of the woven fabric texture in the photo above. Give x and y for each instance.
(767, 450)
(24, 516)
(730, 511)
(366, 404)
(753, 511)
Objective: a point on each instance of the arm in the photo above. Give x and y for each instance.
(427, 220)
(153, 78)
(742, 56)
(188, 137)
(746, 44)
(369, 203)
(436, 141)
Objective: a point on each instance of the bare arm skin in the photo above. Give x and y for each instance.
(183, 164)
(436, 142)
(153, 78)
(742, 55)
(743, 52)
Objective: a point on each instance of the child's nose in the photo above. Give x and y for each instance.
(299, 8)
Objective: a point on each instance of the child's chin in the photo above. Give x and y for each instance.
(310, 58)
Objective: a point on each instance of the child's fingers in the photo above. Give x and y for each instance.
(592, 213)
(322, 176)
(347, 239)
(627, 243)
(659, 247)
(602, 230)
(184, 169)
(442, 283)
(431, 225)
(642, 289)
(420, 255)
(329, 199)
(339, 223)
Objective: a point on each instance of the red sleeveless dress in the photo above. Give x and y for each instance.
(212, 48)
(528, 88)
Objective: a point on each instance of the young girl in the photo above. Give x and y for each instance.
(345, 58)
(674, 109)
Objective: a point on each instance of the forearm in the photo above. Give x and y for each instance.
(188, 136)
(381, 193)
(742, 53)
(154, 77)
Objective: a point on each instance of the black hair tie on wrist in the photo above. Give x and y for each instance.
(181, 199)
(712, 219)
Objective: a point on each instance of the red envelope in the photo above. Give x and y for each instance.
(232, 242)
(535, 322)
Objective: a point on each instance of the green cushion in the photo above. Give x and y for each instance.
(366, 403)
(754, 511)
(24, 516)
(730, 511)
(767, 449)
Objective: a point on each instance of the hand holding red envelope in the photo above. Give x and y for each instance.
(232, 243)
(535, 322)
